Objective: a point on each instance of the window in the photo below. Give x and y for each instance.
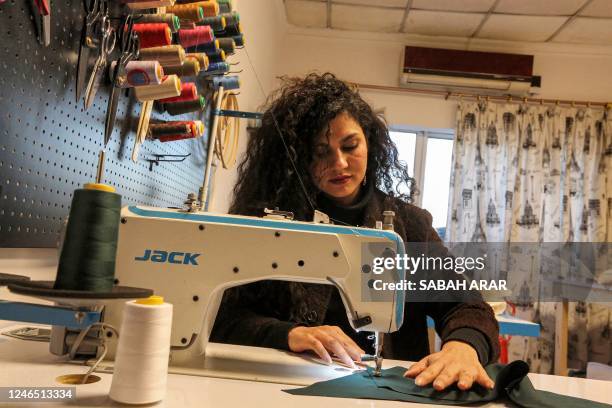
(428, 155)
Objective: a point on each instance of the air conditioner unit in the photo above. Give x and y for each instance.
(485, 73)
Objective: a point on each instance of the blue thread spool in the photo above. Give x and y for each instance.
(227, 82)
(217, 68)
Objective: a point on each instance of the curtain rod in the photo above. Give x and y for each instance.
(447, 94)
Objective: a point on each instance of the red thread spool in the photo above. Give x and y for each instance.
(153, 35)
(196, 36)
(192, 127)
(174, 138)
(189, 91)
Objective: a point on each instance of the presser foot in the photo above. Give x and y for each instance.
(378, 368)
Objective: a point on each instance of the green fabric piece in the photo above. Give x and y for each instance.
(511, 382)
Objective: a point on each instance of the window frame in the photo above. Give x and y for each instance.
(420, 151)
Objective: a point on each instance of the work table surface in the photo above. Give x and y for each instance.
(30, 364)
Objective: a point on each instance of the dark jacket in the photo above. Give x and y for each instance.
(263, 313)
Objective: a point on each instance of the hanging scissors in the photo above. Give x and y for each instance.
(95, 10)
(130, 48)
(106, 47)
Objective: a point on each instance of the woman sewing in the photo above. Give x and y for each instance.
(335, 155)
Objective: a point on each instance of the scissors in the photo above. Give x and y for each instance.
(106, 47)
(130, 49)
(95, 10)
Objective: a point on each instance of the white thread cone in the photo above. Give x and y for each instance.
(141, 362)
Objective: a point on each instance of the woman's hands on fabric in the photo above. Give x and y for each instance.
(324, 341)
(457, 362)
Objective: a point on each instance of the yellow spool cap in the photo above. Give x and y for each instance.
(151, 301)
(99, 186)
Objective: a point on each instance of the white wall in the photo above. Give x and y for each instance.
(569, 72)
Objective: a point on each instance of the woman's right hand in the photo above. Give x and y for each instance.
(324, 340)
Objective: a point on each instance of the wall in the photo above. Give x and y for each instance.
(264, 24)
(571, 72)
(568, 71)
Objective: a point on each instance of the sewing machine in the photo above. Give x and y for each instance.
(190, 258)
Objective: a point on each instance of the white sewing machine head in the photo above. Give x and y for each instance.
(190, 258)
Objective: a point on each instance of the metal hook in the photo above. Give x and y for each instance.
(234, 72)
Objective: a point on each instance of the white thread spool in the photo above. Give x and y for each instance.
(170, 86)
(141, 362)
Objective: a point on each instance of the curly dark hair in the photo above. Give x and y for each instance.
(300, 111)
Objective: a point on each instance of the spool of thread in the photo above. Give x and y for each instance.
(146, 4)
(168, 129)
(239, 40)
(217, 23)
(141, 73)
(166, 55)
(231, 19)
(188, 24)
(198, 128)
(170, 86)
(175, 138)
(192, 12)
(227, 44)
(153, 34)
(228, 82)
(196, 36)
(189, 92)
(216, 56)
(87, 258)
(178, 108)
(217, 68)
(225, 6)
(201, 58)
(191, 67)
(172, 20)
(141, 364)
(205, 47)
(210, 7)
(232, 30)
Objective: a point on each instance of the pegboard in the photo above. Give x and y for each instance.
(49, 144)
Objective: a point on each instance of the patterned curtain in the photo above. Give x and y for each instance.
(537, 173)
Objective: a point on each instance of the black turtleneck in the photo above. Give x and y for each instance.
(347, 214)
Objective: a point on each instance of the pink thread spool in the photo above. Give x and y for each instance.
(196, 36)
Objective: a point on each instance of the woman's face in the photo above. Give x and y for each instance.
(340, 159)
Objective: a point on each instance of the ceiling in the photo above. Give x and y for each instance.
(555, 21)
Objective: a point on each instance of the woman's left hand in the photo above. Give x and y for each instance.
(457, 362)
